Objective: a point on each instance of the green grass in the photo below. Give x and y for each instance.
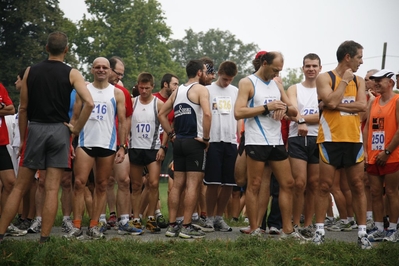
(244, 251)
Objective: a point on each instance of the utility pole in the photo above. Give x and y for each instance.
(384, 54)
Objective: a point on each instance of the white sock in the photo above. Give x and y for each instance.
(103, 218)
(320, 228)
(158, 213)
(39, 218)
(66, 218)
(124, 219)
(350, 219)
(179, 219)
(369, 215)
(195, 216)
(361, 231)
(380, 226)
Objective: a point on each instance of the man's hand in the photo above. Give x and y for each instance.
(120, 156)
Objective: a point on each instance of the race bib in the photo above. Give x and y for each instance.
(143, 130)
(309, 111)
(99, 111)
(348, 99)
(269, 100)
(224, 104)
(378, 141)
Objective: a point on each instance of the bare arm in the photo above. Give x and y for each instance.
(163, 114)
(291, 110)
(7, 110)
(366, 132)
(79, 84)
(330, 98)
(359, 105)
(206, 111)
(23, 107)
(121, 112)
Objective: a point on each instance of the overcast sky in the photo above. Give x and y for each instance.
(293, 27)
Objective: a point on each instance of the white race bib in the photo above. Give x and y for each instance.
(378, 141)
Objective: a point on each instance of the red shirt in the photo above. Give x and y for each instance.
(4, 98)
(128, 106)
(171, 115)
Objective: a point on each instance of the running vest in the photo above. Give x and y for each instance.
(339, 126)
(49, 91)
(224, 125)
(307, 105)
(100, 129)
(188, 115)
(382, 128)
(263, 129)
(145, 125)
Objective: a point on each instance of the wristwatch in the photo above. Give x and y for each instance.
(2, 106)
(124, 146)
(301, 121)
(387, 152)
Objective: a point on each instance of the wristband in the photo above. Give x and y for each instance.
(266, 112)
(206, 140)
(171, 134)
(164, 148)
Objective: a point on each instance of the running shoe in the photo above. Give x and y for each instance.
(391, 236)
(152, 226)
(363, 242)
(293, 235)
(318, 238)
(341, 226)
(257, 232)
(307, 232)
(206, 225)
(102, 226)
(24, 225)
(329, 222)
(354, 225)
(173, 231)
(111, 223)
(74, 233)
(190, 232)
(66, 226)
(369, 225)
(375, 235)
(129, 229)
(35, 227)
(246, 230)
(14, 231)
(94, 233)
(161, 222)
(137, 223)
(274, 231)
(220, 225)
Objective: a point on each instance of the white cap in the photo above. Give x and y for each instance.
(385, 73)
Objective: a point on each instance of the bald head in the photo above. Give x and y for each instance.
(100, 69)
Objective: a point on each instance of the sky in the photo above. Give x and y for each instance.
(292, 27)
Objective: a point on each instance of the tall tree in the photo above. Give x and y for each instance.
(219, 46)
(133, 30)
(294, 76)
(24, 28)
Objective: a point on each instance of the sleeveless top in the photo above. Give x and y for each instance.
(263, 129)
(307, 105)
(382, 128)
(145, 125)
(100, 129)
(339, 126)
(188, 115)
(224, 125)
(49, 91)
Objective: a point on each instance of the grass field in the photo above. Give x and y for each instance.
(244, 251)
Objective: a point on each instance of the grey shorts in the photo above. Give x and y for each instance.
(304, 148)
(46, 145)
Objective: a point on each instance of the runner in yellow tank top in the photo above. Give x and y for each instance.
(340, 141)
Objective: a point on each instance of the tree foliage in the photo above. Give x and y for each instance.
(219, 46)
(294, 76)
(133, 30)
(24, 28)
